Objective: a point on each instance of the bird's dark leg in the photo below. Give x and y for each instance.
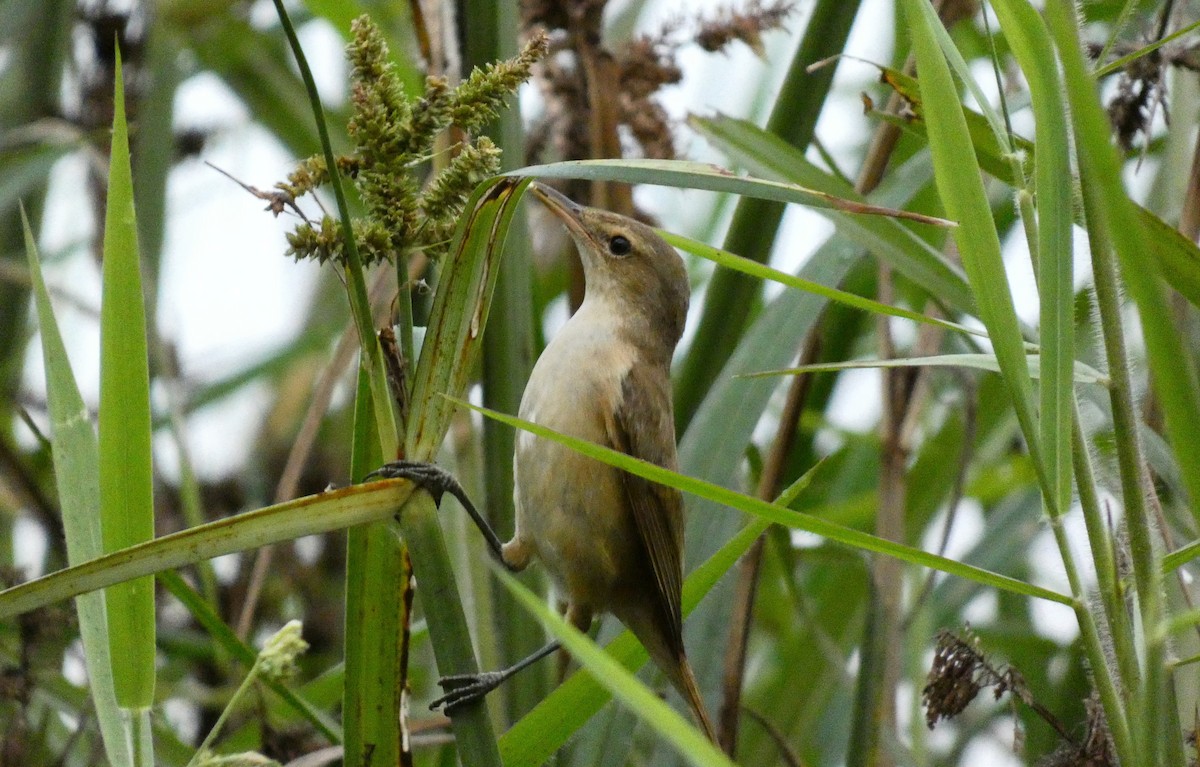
(464, 689)
(461, 689)
(437, 481)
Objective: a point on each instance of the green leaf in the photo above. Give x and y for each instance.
(76, 476)
(1172, 368)
(1054, 255)
(774, 513)
(762, 271)
(1083, 373)
(447, 362)
(371, 704)
(624, 686)
(730, 301)
(960, 187)
(761, 153)
(1181, 556)
(1116, 65)
(126, 494)
(1177, 256)
(331, 510)
(545, 729)
(695, 175)
(460, 311)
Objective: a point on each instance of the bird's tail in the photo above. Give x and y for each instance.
(686, 684)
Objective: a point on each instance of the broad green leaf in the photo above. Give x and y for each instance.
(774, 513)
(961, 189)
(540, 733)
(371, 704)
(331, 510)
(759, 152)
(76, 475)
(126, 495)
(762, 271)
(695, 175)
(624, 686)
(1083, 373)
(1054, 255)
(460, 311)
(956, 61)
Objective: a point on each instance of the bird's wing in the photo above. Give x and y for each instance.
(642, 425)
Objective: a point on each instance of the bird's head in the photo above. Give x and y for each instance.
(626, 264)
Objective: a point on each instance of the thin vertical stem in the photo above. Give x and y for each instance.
(1146, 573)
(1108, 579)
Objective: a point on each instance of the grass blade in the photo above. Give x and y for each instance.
(961, 189)
(460, 311)
(331, 510)
(1083, 373)
(695, 175)
(774, 513)
(126, 495)
(624, 686)
(1054, 259)
(1174, 374)
(374, 679)
(762, 271)
(759, 152)
(1176, 255)
(76, 475)
(545, 729)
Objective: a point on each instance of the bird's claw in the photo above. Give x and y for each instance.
(432, 478)
(466, 689)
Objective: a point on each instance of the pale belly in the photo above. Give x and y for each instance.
(571, 509)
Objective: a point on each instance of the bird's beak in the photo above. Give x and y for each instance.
(564, 207)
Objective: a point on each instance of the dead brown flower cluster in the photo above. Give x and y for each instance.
(959, 673)
(747, 25)
(1140, 89)
(597, 94)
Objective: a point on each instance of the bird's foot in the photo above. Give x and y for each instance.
(466, 689)
(432, 478)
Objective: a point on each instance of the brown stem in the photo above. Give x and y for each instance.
(883, 142)
(956, 491)
(888, 572)
(786, 752)
(751, 563)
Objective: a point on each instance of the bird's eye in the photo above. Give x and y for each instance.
(619, 246)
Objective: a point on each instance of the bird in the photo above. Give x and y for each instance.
(611, 542)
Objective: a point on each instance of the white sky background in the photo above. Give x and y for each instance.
(228, 294)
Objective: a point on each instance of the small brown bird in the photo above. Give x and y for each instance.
(612, 542)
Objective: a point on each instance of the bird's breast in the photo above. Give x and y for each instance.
(571, 508)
